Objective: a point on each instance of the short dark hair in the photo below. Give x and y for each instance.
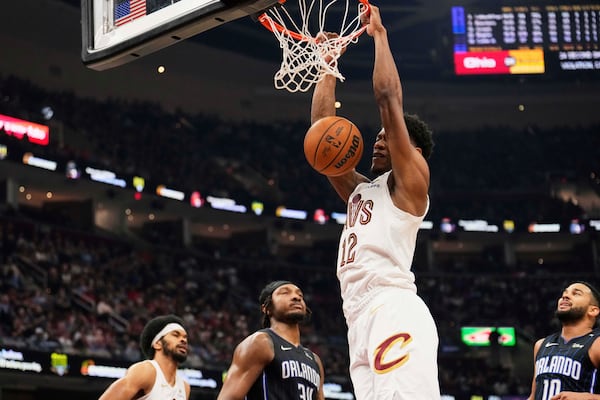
(152, 328)
(265, 297)
(420, 134)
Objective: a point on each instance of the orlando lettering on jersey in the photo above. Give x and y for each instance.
(297, 369)
(565, 366)
(558, 365)
(293, 374)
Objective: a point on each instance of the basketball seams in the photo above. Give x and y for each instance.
(320, 141)
(342, 147)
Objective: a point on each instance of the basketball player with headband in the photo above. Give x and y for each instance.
(164, 342)
(392, 336)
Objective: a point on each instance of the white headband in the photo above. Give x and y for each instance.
(173, 326)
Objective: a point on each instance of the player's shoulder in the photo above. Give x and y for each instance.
(594, 334)
(141, 374)
(256, 348)
(259, 339)
(144, 366)
(552, 338)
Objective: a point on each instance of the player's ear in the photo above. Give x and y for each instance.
(594, 311)
(263, 309)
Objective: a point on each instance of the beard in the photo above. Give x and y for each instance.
(296, 317)
(573, 315)
(173, 353)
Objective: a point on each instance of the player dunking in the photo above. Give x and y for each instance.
(567, 362)
(271, 363)
(392, 336)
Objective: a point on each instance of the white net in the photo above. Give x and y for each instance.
(309, 49)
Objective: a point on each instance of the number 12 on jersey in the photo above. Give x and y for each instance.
(348, 253)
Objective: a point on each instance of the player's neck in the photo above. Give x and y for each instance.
(168, 367)
(575, 329)
(290, 332)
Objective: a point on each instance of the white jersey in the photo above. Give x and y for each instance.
(162, 390)
(376, 247)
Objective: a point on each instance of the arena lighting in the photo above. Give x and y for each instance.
(226, 204)
(477, 225)
(71, 170)
(47, 113)
(543, 228)
(18, 128)
(196, 200)
(334, 391)
(30, 159)
(508, 225)
(16, 360)
(139, 183)
(480, 335)
(340, 218)
(258, 207)
(164, 191)
(595, 223)
(193, 376)
(447, 226)
(283, 212)
(426, 225)
(3, 151)
(576, 227)
(105, 176)
(320, 216)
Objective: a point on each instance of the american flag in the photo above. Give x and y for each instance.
(128, 10)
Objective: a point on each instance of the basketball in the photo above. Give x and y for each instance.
(333, 146)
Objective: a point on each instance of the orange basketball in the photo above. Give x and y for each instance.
(333, 146)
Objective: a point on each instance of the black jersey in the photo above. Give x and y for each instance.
(292, 375)
(565, 366)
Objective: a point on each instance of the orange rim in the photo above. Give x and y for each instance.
(268, 23)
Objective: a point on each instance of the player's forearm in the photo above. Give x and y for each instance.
(386, 81)
(323, 100)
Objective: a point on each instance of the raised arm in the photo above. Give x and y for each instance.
(323, 105)
(249, 359)
(409, 168)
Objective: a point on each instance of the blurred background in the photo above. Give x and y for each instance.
(139, 190)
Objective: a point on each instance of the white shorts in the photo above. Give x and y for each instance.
(393, 349)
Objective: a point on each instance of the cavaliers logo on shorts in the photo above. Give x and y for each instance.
(385, 362)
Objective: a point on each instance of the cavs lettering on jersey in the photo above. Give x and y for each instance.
(162, 390)
(565, 366)
(292, 375)
(376, 246)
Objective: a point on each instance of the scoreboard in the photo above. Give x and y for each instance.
(526, 39)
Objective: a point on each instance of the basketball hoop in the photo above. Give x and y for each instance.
(307, 53)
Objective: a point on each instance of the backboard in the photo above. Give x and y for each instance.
(115, 32)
